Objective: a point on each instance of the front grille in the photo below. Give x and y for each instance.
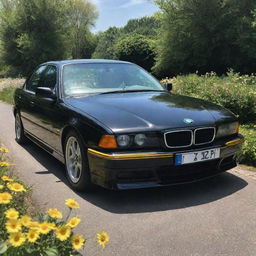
(186, 138)
(204, 135)
(176, 139)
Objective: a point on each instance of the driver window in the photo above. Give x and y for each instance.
(50, 77)
(36, 79)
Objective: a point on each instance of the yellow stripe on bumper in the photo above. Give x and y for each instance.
(234, 142)
(129, 156)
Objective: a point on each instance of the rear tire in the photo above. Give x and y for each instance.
(20, 136)
(76, 163)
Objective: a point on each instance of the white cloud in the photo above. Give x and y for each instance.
(133, 2)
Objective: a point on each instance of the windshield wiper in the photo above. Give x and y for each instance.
(125, 91)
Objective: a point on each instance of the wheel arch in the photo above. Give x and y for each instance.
(65, 132)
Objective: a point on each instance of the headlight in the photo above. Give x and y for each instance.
(227, 129)
(123, 140)
(140, 139)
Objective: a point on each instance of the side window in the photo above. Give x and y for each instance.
(50, 77)
(36, 79)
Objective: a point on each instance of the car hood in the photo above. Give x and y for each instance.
(149, 111)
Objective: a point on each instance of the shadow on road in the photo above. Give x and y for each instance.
(147, 200)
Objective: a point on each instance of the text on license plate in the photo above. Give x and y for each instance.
(197, 156)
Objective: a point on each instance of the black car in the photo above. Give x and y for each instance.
(115, 125)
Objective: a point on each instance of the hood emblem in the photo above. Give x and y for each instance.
(188, 120)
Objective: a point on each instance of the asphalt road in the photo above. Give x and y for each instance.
(210, 218)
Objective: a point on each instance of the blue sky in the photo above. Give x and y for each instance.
(118, 12)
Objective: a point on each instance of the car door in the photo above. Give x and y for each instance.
(47, 113)
(27, 100)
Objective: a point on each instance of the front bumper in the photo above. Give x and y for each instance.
(151, 169)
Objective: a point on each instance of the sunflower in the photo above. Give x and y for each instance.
(5, 198)
(16, 187)
(54, 213)
(32, 235)
(13, 226)
(17, 239)
(103, 238)
(12, 214)
(63, 233)
(52, 226)
(4, 164)
(4, 150)
(77, 242)
(72, 204)
(6, 178)
(25, 221)
(34, 225)
(73, 222)
(44, 228)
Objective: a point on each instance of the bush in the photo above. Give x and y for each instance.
(235, 92)
(248, 152)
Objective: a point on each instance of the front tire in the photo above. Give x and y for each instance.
(20, 136)
(77, 167)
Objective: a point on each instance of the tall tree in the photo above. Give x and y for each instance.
(199, 35)
(106, 41)
(80, 17)
(42, 30)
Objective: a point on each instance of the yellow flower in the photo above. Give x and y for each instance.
(103, 238)
(16, 187)
(12, 214)
(6, 178)
(17, 239)
(54, 213)
(73, 222)
(71, 203)
(4, 164)
(44, 228)
(32, 235)
(13, 226)
(1, 186)
(5, 198)
(34, 225)
(63, 233)
(4, 150)
(52, 226)
(25, 221)
(77, 242)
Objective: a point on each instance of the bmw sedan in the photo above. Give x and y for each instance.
(113, 124)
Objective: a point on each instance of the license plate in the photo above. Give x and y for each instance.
(197, 156)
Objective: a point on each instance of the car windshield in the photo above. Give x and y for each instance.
(79, 79)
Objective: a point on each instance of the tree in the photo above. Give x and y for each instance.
(106, 41)
(199, 35)
(136, 48)
(147, 26)
(80, 17)
(35, 31)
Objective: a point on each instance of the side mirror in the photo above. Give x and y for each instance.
(168, 86)
(45, 92)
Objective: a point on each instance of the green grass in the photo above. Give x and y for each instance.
(6, 94)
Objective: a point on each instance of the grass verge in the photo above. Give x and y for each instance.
(6, 94)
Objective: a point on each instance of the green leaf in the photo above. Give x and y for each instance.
(52, 251)
(3, 248)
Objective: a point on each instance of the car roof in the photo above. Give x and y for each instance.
(88, 61)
